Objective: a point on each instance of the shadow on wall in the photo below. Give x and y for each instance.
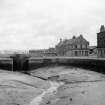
(89, 64)
(20, 62)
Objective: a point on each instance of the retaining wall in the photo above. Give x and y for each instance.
(96, 64)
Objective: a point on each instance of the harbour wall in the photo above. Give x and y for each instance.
(95, 64)
(6, 63)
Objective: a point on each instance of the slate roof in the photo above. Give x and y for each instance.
(74, 40)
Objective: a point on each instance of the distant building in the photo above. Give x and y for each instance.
(14, 51)
(43, 52)
(36, 53)
(50, 52)
(77, 46)
(101, 42)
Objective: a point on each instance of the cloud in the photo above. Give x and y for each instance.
(26, 24)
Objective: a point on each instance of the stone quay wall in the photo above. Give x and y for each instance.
(95, 64)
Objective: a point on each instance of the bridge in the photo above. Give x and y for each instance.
(29, 63)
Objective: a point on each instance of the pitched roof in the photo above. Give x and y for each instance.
(74, 40)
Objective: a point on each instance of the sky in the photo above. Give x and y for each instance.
(38, 24)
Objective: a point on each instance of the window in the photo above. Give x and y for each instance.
(75, 46)
(75, 53)
(86, 53)
(81, 45)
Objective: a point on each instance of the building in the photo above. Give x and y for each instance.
(43, 52)
(14, 52)
(101, 42)
(77, 46)
(50, 52)
(36, 53)
(93, 51)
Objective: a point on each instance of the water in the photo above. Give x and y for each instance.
(53, 88)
